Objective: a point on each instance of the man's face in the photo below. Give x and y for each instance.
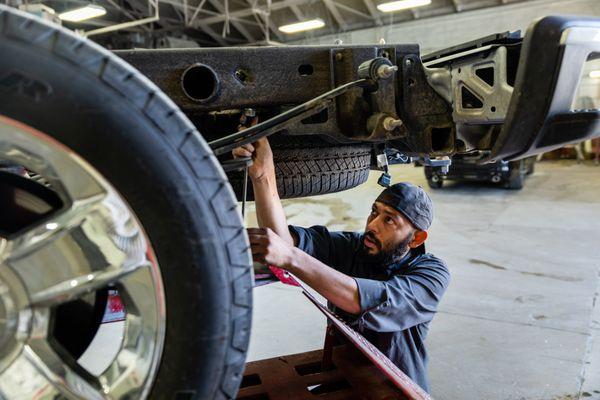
(387, 233)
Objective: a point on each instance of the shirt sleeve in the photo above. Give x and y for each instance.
(402, 301)
(334, 249)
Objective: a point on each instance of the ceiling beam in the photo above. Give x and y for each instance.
(266, 18)
(283, 4)
(297, 12)
(354, 11)
(214, 35)
(246, 12)
(183, 6)
(331, 7)
(196, 11)
(273, 28)
(373, 11)
(237, 25)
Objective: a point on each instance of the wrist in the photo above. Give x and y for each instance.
(265, 178)
(295, 260)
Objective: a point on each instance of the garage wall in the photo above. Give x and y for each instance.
(439, 32)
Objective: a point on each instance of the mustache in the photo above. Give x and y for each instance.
(371, 236)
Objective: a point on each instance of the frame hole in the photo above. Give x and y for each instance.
(469, 99)
(486, 75)
(250, 380)
(305, 70)
(244, 76)
(310, 368)
(199, 82)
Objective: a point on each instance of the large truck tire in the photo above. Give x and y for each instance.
(62, 92)
(309, 166)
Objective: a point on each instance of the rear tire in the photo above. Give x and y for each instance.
(515, 176)
(119, 122)
(435, 184)
(308, 166)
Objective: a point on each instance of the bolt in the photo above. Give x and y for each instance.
(338, 42)
(385, 71)
(389, 123)
(339, 56)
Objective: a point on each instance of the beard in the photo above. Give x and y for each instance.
(389, 256)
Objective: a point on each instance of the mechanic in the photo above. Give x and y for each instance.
(381, 281)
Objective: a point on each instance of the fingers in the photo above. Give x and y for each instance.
(258, 231)
(259, 243)
(239, 153)
(243, 151)
(259, 257)
(258, 248)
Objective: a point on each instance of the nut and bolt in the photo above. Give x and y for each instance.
(385, 71)
(390, 123)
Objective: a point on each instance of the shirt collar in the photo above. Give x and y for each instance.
(407, 259)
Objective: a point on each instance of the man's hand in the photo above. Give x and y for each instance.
(261, 154)
(270, 249)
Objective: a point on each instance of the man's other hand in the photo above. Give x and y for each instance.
(269, 248)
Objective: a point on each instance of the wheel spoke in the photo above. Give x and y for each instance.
(50, 230)
(73, 288)
(39, 372)
(62, 169)
(84, 248)
(64, 379)
(141, 344)
(21, 380)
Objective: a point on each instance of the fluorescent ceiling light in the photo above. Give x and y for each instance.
(302, 26)
(402, 5)
(595, 74)
(83, 13)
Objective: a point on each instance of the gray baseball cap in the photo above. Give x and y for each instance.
(411, 201)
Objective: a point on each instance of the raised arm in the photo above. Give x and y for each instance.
(269, 210)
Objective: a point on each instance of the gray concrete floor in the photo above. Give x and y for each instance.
(521, 319)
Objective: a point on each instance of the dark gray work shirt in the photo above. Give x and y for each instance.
(397, 301)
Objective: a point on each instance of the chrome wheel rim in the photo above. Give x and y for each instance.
(92, 242)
